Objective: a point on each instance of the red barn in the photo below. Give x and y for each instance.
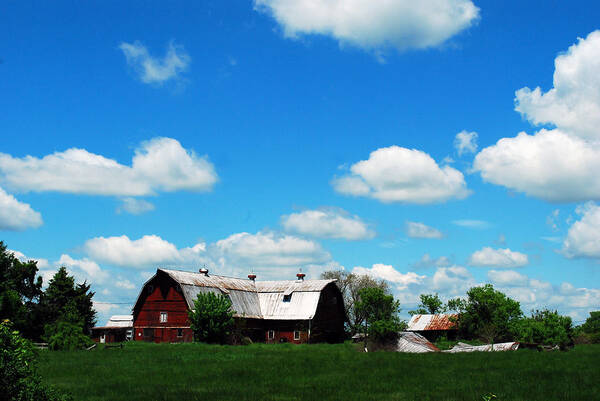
(296, 311)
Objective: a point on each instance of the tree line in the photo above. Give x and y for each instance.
(62, 314)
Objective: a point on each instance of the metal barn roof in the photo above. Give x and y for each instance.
(118, 321)
(463, 347)
(255, 299)
(431, 322)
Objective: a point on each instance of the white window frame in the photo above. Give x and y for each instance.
(271, 334)
(296, 335)
(164, 316)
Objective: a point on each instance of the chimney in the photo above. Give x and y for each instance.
(204, 271)
(252, 276)
(300, 276)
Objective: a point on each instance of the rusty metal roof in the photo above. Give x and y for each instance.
(414, 343)
(463, 347)
(255, 299)
(431, 322)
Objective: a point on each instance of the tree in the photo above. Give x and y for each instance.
(350, 285)
(592, 323)
(18, 377)
(488, 313)
(212, 318)
(430, 304)
(62, 292)
(545, 327)
(66, 333)
(20, 290)
(379, 313)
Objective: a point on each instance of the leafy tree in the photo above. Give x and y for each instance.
(380, 314)
(18, 377)
(545, 327)
(488, 313)
(592, 323)
(430, 304)
(66, 333)
(212, 318)
(62, 292)
(350, 285)
(20, 290)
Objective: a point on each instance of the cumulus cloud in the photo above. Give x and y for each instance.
(84, 269)
(135, 206)
(150, 250)
(396, 174)
(15, 215)
(41, 262)
(155, 70)
(427, 261)
(452, 281)
(420, 230)
(374, 24)
(573, 104)
(489, 257)
(465, 142)
(388, 273)
(557, 165)
(550, 165)
(160, 164)
(507, 278)
(327, 223)
(583, 237)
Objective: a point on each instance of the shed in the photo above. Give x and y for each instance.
(118, 328)
(433, 326)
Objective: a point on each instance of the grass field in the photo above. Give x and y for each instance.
(142, 371)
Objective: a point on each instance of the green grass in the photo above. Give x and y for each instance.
(318, 372)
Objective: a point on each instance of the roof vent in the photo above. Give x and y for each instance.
(252, 276)
(204, 271)
(300, 276)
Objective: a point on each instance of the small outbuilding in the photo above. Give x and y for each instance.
(119, 328)
(434, 326)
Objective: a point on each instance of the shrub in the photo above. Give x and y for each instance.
(545, 327)
(212, 318)
(18, 378)
(67, 332)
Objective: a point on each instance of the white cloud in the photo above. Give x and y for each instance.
(15, 215)
(550, 165)
(396, 174)
(552, 219)
(556, 165)
(388, 273)
(160, 164)
(327, 223)
(507, 277)
(420, 230)
(124, 284)
(427, 261)
(83, 269)
(374, 24)
(154, 70)
(41, 263)
(573, 104)
(150, 250)
(489, 257)
(468, 223)
(104, 307)
(583, 237)
(135, 206)
(465, 142)
(269, 249)
(452, 281)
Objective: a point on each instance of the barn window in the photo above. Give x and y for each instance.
(296, 334)
(163, 317)
(148, 332)
(271, 334)
(287, 298)
(179, 332)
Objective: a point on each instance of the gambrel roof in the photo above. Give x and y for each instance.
(254, 299)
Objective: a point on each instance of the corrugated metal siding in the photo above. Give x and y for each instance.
(414, 343)
(431, 322)
(202, 280)
(302, 305)
(292, 286)
(463, 347)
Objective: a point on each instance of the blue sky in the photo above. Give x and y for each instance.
(378, 137)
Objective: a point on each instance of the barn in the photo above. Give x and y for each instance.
(295, 311)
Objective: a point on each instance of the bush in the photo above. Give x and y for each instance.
(545, 327)
(18, 378)
(67, 332)
(212, 318)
